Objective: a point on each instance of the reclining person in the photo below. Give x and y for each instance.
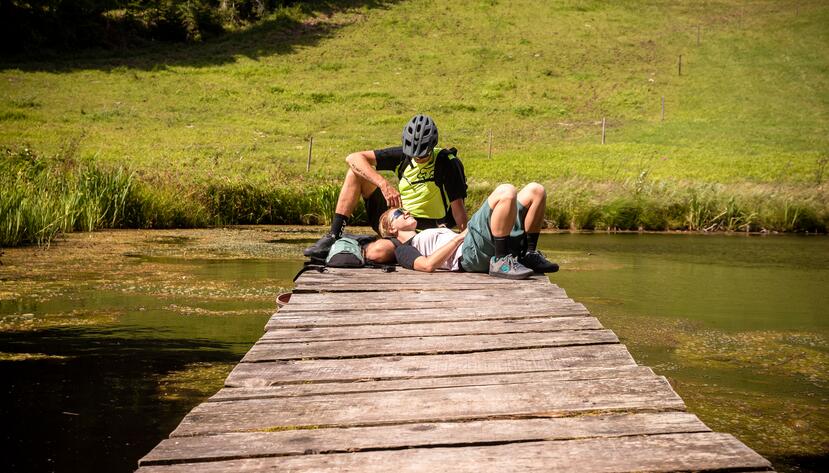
(495, 234)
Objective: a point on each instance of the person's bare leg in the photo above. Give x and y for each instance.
(502, 264)
(533, 197)
(353, 188)
(502, 203)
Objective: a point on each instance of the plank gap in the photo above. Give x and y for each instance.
(429, 353)
(478, 443)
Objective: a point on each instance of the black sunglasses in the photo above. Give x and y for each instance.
(397, 213)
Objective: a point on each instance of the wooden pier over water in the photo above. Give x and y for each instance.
(371, 371)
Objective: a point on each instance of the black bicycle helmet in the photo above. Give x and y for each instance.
(420, 136)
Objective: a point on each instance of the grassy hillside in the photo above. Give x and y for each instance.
(745, 123)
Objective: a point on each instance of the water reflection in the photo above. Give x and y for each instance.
(104, 354)
(104, 348)
(738, 325)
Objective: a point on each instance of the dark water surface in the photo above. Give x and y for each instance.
(101, 362)
(739, 325)
(98, 395)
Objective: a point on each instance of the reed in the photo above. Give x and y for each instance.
(45, 196)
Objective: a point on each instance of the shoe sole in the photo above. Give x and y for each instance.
(511, 276)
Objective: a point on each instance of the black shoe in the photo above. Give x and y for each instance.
(536, 261)
(321, 247)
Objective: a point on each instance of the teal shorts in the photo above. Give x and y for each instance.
(479, 246)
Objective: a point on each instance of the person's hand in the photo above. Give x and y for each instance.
(464, 232)
(391, 195)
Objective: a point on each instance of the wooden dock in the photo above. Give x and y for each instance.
(371, 371)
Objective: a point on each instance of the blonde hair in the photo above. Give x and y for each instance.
(385, 223)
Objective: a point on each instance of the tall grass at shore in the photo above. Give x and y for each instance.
(45, 195)
(42, 198)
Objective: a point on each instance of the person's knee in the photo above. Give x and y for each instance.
(380, 251)
(535, 189)
(505, 192)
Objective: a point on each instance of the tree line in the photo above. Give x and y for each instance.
(60, 25)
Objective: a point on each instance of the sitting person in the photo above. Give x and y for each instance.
(507, 223)
(431, 181)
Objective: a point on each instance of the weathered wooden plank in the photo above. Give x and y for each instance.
(405, 276)
(542, 399)
(424, 366)
(372, 288)
(299, 442)
(704, 451)
(363, 332)
(503, 304)
(290, 390)
(430, 345)
(465, 314)
(475, 390)
(395, 302)
(406, 302)
(348, 298)
(405, 280)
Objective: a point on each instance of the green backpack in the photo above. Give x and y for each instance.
(345, 253)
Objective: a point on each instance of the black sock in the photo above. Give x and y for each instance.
(532, 241)
(501, 246)
(338, 224)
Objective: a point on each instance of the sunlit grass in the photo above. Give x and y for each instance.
(218, 132)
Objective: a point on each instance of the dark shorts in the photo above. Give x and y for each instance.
(376, 205)
(479, 246)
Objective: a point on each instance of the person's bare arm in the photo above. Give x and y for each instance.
(362, 164)
(432, 262)
(459, 212)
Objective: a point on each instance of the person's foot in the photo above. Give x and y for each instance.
(321, 247)
(536, 261)
(508, 267)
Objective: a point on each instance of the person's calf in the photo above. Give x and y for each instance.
(533, 197)
(502, 202)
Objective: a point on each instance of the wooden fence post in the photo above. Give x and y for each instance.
(663, 109)
(310, 150)
(490, 143)
(603, 130)
(679, 64)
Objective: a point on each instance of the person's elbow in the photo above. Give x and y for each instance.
(423, 264)
(380, 251)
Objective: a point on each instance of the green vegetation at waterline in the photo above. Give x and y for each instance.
(43, 196)
(218, 131)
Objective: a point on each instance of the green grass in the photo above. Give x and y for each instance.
(745, 125)
(46, 195)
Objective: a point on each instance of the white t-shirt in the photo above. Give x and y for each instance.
(428, 241)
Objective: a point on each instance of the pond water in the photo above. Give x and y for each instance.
(738, 324)
(107, 340)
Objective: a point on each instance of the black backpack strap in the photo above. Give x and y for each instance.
(440, 177)
(387, 268)
(310, 266)
(401, 168)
